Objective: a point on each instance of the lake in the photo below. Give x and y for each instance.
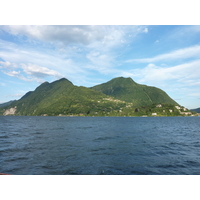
(99, 145)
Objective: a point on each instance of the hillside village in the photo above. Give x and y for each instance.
(182, 111)
(128, 110)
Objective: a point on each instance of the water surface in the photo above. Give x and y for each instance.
(99, 145)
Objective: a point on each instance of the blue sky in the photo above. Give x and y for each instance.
(167, 57)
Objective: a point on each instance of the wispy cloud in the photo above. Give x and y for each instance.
(28, 72)
(7, 65)
(77, 34)
(63, 34)
(39, 72)
(76, 49)
(16, 74)
(187, 74)
(183, 32)
(190, 52)
(12, 73)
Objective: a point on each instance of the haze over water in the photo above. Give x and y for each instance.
(100, 145)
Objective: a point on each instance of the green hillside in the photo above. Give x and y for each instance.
(63, 98)
(127, 90)
(118, 97)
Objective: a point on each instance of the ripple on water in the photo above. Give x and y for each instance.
(53, 145)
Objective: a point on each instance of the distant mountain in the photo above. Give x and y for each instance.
(127, 90)
(118, 97)
(196, 110)
(6, 104)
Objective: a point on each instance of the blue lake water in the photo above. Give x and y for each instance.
(99, 145)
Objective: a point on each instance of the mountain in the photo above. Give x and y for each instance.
(118, 97)
(127, 90)
(196, 110)
(63, 98)
(6, 104)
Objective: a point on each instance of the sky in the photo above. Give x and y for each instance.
(163, 56)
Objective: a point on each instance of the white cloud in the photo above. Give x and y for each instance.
(180, 72)
(17, 74)
(190, 52)
(28, 72)
(51, 59)
(12, 73)
(104, 36)
(65, 34)
(68, 34)
(7, 65)
(69, 42)
(39, 72)
(102, 53)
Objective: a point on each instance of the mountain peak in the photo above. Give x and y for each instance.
(123, 80)
(45, 83)
(62, 80)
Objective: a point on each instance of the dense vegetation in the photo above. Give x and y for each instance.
(127, 90)
(118, 97)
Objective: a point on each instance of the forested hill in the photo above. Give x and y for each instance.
(127, 90)
(118, 97)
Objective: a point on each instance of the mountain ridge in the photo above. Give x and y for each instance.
(196, 110)
(7, 103)
(117, 97)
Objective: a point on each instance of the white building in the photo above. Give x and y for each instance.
(177, 107)
(185, 113)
